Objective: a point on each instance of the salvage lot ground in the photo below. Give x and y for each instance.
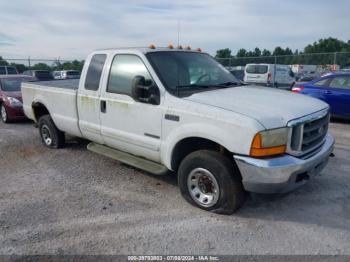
(71, 201)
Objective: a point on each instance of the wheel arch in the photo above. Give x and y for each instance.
(188, 145)
(39, 109)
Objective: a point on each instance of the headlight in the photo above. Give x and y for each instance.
(270, 142)
(13, 101)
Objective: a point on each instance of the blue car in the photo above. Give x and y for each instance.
(334, 89)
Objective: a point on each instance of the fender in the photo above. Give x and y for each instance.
(220, 135)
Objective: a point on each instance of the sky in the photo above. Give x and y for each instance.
(70, 29)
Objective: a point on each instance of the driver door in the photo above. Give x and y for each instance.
(126, 124)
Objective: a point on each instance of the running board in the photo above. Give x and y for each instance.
(138, 162)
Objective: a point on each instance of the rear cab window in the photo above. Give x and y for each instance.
(257, 69)
(95, 69)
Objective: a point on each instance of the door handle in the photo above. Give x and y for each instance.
(103, 106)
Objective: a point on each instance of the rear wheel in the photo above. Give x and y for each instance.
(50, 135)
(210, 181)
(4, 116)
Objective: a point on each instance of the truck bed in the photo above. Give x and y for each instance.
(59, 97)
(66, 84)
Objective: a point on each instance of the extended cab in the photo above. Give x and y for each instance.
(162, 109)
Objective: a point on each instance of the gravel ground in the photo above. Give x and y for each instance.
(72, 201)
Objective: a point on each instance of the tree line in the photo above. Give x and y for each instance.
(55, 66)
(312, 54)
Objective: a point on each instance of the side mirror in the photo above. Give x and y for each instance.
(145, 91)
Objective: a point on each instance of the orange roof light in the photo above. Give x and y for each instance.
(179, 47)
(170, 46)
(152, 46)
(188, 48)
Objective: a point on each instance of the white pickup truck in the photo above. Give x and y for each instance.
(165, 109)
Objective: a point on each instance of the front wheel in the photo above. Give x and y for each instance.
(4, 116)
(210, 181)
(50, 135)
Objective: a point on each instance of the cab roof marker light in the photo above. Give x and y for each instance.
(188, 47)
(199, 49)
(152, 46)
(179, 47)
(170, 46)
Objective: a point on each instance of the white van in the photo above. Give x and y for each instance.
(66, 74)
(270, 75)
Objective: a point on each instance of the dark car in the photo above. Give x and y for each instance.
(239, 74)
(8, 70)
(331, 88)
(11, 107)
(40, 75)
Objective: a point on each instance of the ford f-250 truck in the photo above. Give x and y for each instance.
(162, 109)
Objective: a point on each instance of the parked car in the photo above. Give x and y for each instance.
(11, 98)
(280, 76)
(333, 88)
(39, 75)
(162, 109)
(8, 70)
(66, 74)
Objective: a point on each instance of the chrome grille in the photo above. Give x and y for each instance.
(314, 133)
(308, 133)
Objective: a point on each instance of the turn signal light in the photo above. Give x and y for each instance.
(257, 149)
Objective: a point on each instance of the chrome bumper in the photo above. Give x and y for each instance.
(282, 174)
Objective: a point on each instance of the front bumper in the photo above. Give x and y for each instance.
(282, 174)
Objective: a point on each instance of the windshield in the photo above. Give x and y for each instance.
(12, 84)
(190, 71)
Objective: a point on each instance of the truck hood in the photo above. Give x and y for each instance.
(270, 107)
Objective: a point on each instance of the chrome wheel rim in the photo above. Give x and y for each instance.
(46, 134)
(203, 187)
(3, 114)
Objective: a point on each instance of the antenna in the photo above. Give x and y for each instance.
(178, 32)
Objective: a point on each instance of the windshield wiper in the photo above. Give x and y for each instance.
(193, 86)
(228, 84)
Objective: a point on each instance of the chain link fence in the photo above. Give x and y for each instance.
(316, 63)
(23, 64)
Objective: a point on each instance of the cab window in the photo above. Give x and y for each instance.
(93, 76)
(123, 70)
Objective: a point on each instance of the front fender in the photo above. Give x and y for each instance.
(238, 141)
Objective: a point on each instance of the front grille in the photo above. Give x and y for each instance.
(314, 133)
(308, 134)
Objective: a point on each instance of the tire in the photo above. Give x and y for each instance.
(4, 115)
(50, 135)
(204, 172)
